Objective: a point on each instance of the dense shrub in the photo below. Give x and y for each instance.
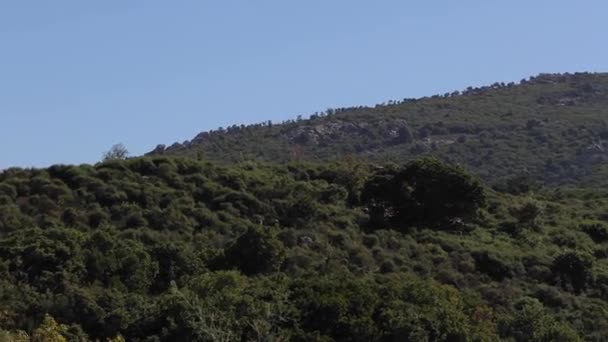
(165, 249)
(532, 323)
(597, 231)
(256, 251)
(425, 192)
(573, 270)
(494, 266)
(527, 214)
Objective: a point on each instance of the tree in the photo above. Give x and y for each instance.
(533, 323)
(596, 231)
(573, 270)
(257, 251)
(424, 192)
(442, 194)
(386, 197)
(527, 214)
(118, 151)
(49, 330)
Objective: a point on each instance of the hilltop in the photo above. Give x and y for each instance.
(552, 128)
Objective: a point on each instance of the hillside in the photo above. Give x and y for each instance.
(416, 220)
(552, 128)
(173, 249)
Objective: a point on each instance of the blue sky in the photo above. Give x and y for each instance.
(79, 76)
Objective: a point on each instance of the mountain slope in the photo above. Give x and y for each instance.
(552, 127)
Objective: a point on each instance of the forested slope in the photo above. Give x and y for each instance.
(551, 127)
(172, 249)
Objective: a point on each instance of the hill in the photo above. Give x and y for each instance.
(551, 128)
(419, 220)
(174, 249)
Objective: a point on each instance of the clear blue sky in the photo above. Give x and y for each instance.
(79, 76)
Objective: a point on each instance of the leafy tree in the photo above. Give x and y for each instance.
(597, 231)
(257, 251)
(532, 323)
(424, 192)
(443, 193)
(573, 270)
(386, 197)
(527, 214)
(492, 265)
(337, 307)
(49, 331)
(518, 184)
(118, 262)
(174, 263)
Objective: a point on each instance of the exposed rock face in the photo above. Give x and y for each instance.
(159, 149)
(594, 153)
(322, 133)
(305, 241)
(315, 134)
(176, 146)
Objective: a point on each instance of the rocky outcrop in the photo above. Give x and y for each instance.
(397, 131)
(594, 153)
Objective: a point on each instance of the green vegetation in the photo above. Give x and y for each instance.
(358, 224)
(173, 249)
(550, 129)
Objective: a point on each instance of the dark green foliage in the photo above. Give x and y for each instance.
(388, 309)
(257, 251)
(527, 214)
(511, 228)
(532, 323)
(442, 194)
(386, 197)
(573, 270)
(518, 185)
(175, 264)
(425, 192)
(117, 262)
(597, 231)
(338, 308)
(172, 249)
(495, 267)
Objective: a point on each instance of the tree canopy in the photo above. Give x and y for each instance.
(175, 249)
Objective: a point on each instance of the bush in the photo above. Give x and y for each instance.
(573, 270)
(532, 323)
(492, 265)
(512, 228)
(257, 251)
(527, 214)
(596, 231)
(8, 190)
